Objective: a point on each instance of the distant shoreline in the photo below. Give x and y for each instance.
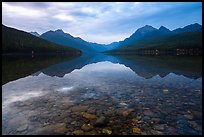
(157, 52)
(40, 54)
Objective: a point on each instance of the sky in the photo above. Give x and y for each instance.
(100, 22)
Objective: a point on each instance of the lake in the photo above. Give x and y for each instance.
(102, 94)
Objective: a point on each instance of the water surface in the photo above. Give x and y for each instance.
(106, 95)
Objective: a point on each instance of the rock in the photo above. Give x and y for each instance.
(146, 118)
(144, 133)
(193, 124)
(101, 121)
(188, 116)
(124, 133)
(93, 132)
(56, 128)
(160, 127)
(79, 108)
(87, 127)
(136, 130)
(154, 132)
(135, 121)
(60, 128)
(107, 131)
(89, 116)
(17, 121)
(67, 103)
(123, 104)
(156, 120)
(148, 112)
(78, 132)
(22, 127)
(73, 123)
(165, 91)
(171, 131)
(125, 113)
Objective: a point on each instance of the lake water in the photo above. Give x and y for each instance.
(101, 94)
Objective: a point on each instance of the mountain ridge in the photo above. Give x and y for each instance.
(58, 36)
(16, 41)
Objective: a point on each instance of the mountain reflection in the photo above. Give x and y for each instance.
(146, 67)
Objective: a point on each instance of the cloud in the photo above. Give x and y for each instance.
(64, 17)
(102, 22)
(12, 11)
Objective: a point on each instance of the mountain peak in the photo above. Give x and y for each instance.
(189, 28)
(35, 34)
(194, 25)
(147, 28)
(59, 31)
(163, 29)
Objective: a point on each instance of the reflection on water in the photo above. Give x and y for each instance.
(107, 95)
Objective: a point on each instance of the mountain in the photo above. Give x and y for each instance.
(148, 37)
(17, 41)
(181, 40)
(190, 28)
(146, 31)
(66, 39)
(145, 34)
(35, 34)
(164, 30)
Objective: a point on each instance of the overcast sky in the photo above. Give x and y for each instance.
(101, 22)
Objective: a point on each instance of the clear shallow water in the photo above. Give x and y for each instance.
(105, 95)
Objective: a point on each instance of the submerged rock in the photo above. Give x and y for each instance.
(107, 131)
(148, 113)
(89, 116)
(101, 121)
(93, 132)
(79, 108)
(165, 91)
(55, 128)
(22, 127)
(78, 132)
(87, 127)
(160, 127)
(155, 132)
(125, 113)
(123, 104)
(136, 130)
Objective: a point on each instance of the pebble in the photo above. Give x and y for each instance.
(160, 127)
(93, 132)
(87, 127)
(22, 127)
(165, 91)
(58, 127)
(125, 113)
(154, 132)
(193, 124)
(123, 104)
(188, 116)
(136, 130)
(148, 112)
(101, 121)
(74, 122)
(107, 131)
(156, 120)
(78, 132)
(89, 116)
(79, 108)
